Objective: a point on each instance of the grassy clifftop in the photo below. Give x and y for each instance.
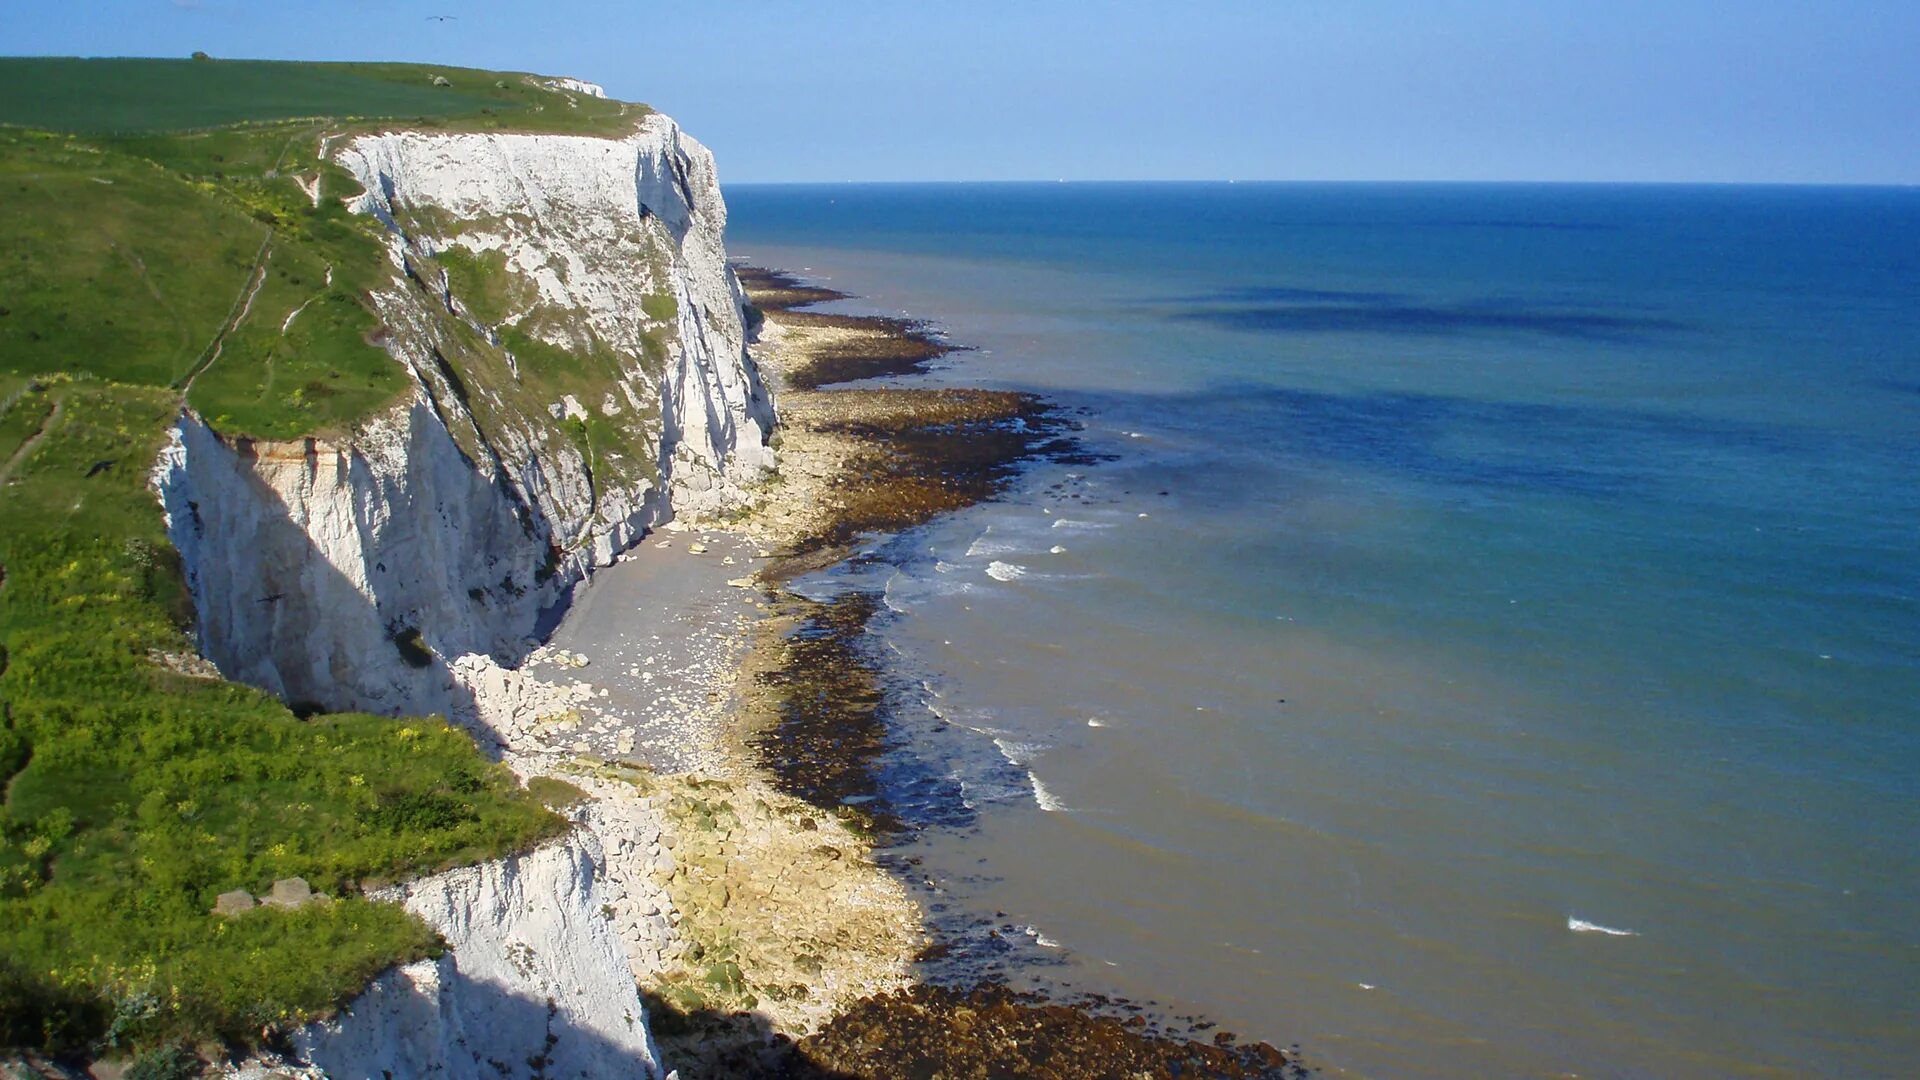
(161, 242)
(143, 96)
(166, 224)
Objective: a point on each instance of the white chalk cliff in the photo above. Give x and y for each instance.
(451, 520)
(402, 567)
(535, 983)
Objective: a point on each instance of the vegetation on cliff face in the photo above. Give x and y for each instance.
(135, 794)
(141, 265)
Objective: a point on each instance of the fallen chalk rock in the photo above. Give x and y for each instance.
(292, 892)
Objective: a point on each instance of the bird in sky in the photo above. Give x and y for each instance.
(441, 18)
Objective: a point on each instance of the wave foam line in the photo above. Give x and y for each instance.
(1044, 798)
(1582, 926)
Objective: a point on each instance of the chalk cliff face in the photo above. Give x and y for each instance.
(535, 983)
(579, 374)
(590, 382)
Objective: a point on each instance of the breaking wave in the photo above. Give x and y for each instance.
(1582, 926)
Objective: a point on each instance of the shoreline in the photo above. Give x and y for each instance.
(802, 736)
(728, 750)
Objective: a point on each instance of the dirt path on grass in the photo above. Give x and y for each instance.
(33, 440)
(242, 305)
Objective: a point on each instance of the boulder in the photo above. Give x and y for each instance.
(233, 903)
(290, 893)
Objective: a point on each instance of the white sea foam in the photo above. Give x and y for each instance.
(1044, 798)
(1582, 926)
(902, 592)
(1001, 571)
(1039, 938)
(1057, 550)
(1094, 721)
(1075, 523)
(983, 545)
(1018, 753)
(944, 567)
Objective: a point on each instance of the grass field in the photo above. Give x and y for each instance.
(134, 96)
(149, 255)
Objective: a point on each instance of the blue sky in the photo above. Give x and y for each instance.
(1718, 90)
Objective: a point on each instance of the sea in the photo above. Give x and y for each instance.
(1488, 642)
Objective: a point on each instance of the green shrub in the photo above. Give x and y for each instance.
(555, 793)
(660, 307)
(174, 1062)
(413, 647)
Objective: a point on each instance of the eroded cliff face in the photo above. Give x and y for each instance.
(579, 374)
(534, 983)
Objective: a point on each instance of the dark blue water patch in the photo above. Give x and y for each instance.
(1900, 387)
(1587, 450)
(1289, 294)
(1530, 225)
(1382, 313)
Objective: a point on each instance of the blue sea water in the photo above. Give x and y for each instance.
(1494, 646)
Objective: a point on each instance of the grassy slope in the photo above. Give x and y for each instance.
(130, 796)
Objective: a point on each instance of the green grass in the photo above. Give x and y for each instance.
(660, 308)
(130, 96)
(140, 261)
(134, 796)
(123, 268)
(485, 285)
(23, 413)
(110, 265)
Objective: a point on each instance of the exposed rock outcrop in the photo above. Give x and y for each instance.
(535, 984)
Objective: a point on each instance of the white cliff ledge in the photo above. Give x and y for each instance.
(534, 984)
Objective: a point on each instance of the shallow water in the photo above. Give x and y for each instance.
(1494, 649)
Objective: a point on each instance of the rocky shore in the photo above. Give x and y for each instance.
(716, 739)
(792, 902)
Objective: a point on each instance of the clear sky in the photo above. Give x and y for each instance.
(1741, 90)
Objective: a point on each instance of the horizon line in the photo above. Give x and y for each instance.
(1009, 181)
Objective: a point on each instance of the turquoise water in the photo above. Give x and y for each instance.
(1481, 569)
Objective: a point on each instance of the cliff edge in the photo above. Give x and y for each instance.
(579, 374)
